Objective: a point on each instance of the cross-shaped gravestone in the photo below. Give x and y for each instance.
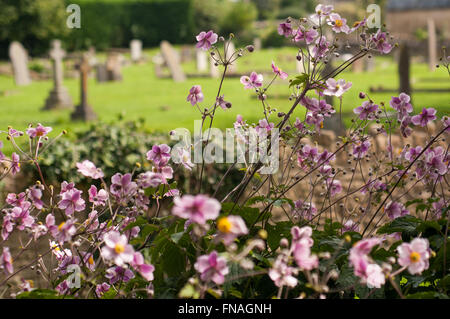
(84, 111)
(19, 60)
(59, 97)
(172, 60)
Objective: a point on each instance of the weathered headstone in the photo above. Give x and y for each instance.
(158, 61)
(84, 111)
(432, 44)
(114, 66)
(369, 63)
(257, 43)
(202, 60)
(230, 50)
(214, 69)
(358, 65)
(186, 53)
(404, 69)
(59, 97)
(172, 60)
(101, 73)
(136, 50)
(19, 60)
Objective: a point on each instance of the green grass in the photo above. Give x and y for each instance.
(163, 103)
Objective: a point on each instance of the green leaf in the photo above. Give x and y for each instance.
(40, 294)
(173, 260)
(405, 224)
(299, 80)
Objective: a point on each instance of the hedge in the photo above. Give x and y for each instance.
(107, 24)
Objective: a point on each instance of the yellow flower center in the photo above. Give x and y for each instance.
(338, 23)
(337, 86)
(91, 260)
(119, 248)
(61, 226)
(356, 23)
(39, 133)
(31, 282)
(414, 257)
(224, 225)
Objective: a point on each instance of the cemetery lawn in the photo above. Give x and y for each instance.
(162, 103)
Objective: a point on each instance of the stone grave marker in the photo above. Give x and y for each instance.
(114, 66)
(136, 50)
(59, 97)
(202, 61)
(404, 70)
(84, 111)
(432, 44)
(19, 60)
(213, 70)
(172, 60)
(229, 52)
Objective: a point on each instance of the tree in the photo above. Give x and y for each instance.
(32, 22)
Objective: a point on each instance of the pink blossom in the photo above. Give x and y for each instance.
(263, 127)
(322, 11)
(381, 43)
(15, 163)
(254, 81)
(65, 231)
(283, 75)
(395, 210)
(116, 274)
(422, 119)
(402, 105)
(198, 209)
(231, 227)
(338, 24)
(285, 29)
(122, 187)
(39, 131)
(117, 248)
(412, 153)
(361, 149)
(71, 202)
(98, 198)
(159, 154)
(220, 101)
(100, 289)
(146, 270)
(336, 88)
(88, 169)
(185, 157)
(414, 255)
(35, 194)
(206, 39)
(305, 35)
(282, 274)
(6, 261)
(320, 48)
(302, 255)
(366, 110)
(375, 277)
(335, 186)
(195, 95)
(212, 267)
(306, 210)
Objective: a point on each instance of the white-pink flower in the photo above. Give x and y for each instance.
(117, 248)
(198, 209)
(414, 255)
(212, 267)
(336, 88)
(88, 169)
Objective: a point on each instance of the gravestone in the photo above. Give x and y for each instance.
(158, 61)
(232, 68)
(172, 60)
(136, 50)
(257, 43)
(101, 73)
(404, 69)
(19, 60)
(92, 56)
(214, 69)
(59, 97)
(186, 53)
(432, 44)
(358, 65)
(369, 63)
(202, 61)
(114, 66)
(84, 111)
